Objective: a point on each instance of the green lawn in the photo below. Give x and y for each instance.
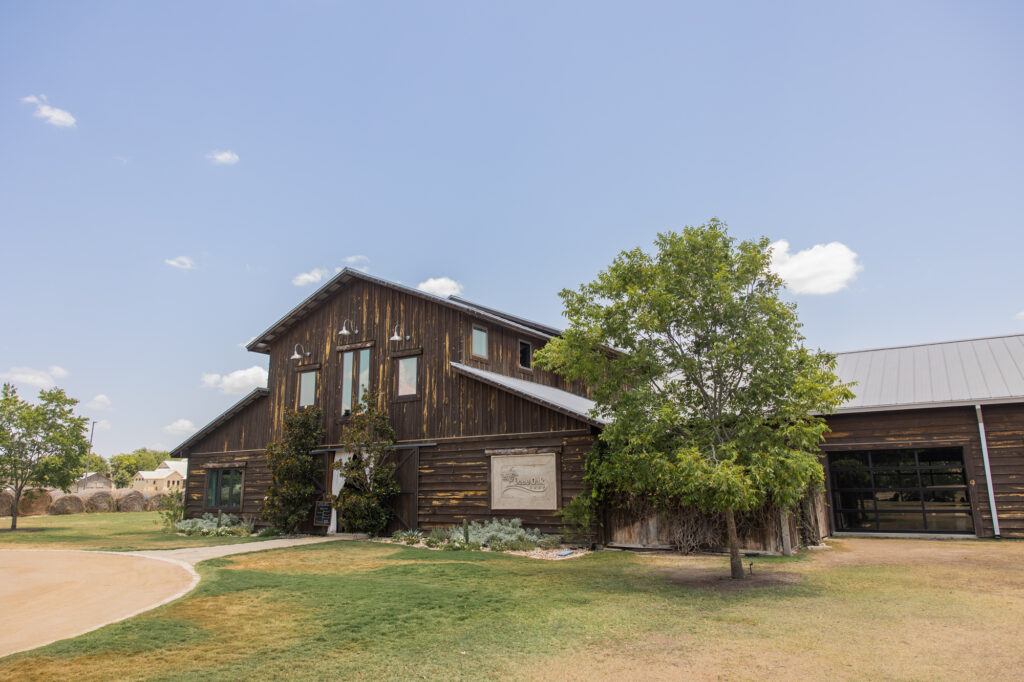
(868, 609)
(118, 532)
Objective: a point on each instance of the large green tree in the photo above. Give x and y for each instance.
(699, 364)
(125, 465)
(41, 444)
(364, 503)
(294, 471)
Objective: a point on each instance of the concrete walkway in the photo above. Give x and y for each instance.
(47, 595)
(193, 555)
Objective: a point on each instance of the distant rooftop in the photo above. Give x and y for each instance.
(950, 373)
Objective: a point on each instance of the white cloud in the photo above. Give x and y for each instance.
(440, 286)
(360, 263)
(36, 378)
(182, 262)
(313, 276)
(102, 425)
(122, 159)
(99, 402)
(821, 269)
(1020, 315)
(181, 427)
(238, 382)
(223, 158)
(52, 115)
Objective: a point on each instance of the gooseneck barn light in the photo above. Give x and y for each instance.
(296, 355)
(398, 337)
(345, 331)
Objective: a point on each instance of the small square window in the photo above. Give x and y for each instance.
(480, 342)
(408, 376)
(525, 355)
(307, 389)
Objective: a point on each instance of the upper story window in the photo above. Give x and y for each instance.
(525, 355)
(307, 388)
(479, 341)
(408, 376)
(355, 378)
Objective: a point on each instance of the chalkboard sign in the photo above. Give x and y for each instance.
(322, 515)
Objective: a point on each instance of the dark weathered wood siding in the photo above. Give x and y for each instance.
(450, 405)
(953, 427)
(454, 485)
(248, 430)
(255, 479)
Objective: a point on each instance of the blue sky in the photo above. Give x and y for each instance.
(514, 149)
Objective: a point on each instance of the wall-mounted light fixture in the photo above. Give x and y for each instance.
(345, 331)
(296, 355)
(399, 337)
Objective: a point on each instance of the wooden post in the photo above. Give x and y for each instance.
(787, 541)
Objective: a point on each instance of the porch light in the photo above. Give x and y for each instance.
(398, 337)
(345, 330)
(296, 355)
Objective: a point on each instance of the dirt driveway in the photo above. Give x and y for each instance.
(49, 595)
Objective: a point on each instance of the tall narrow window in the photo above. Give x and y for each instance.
(480, 342)
(408, 376)
(346, 383)
(525, 355)
(364, 374)
(355, 378)
(307, 389)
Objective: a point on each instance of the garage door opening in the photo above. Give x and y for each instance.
(900, 491)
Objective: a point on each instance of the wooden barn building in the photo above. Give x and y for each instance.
(932, 443)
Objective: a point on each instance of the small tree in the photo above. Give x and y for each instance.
(125, 465)
(364, 503)
(95, 464)
(294, 470)
(40, 445)
(172, 508)
(710, 393)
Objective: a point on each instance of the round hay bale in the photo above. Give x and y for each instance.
(54, 494)
(68, 504)
(6, 502)
(34, 502)
(129, 500)
(99, 501)
(155, 501)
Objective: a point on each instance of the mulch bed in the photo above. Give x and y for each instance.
(718, 579)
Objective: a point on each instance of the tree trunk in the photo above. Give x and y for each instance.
(735, 563)
(14, 509)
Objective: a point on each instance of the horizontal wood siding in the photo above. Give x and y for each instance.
(255, 481)
(454, 485)
(957, 427)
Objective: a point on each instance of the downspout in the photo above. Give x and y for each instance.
(988, 471)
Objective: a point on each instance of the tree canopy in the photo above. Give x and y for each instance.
(699, 364)
(124, 466)
(294, 471)
(41, 444)
(364, 503)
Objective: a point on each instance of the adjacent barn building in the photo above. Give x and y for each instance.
(932, 443)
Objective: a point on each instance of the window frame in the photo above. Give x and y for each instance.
(353, 386)
(473, 328)
(396, 358)
(216, 473)
(315, 371)
(519, 356)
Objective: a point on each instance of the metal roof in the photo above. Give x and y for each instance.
(261, 344)
(548, 396)
(974, 371)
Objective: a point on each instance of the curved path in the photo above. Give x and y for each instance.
(51, 594)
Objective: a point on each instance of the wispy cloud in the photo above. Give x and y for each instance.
(238, 382)
(181, 427)
(440, 286)
(122, 159)
(360, 263)
(36, 378)
(1020, 315)
(52, 115)
(182, 262)
(313, 276)
(99, 402)
(223, 158)
(103, 425)
(821, 269)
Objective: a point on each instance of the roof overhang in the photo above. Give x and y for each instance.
(252, 397)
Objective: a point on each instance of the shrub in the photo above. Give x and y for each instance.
(172, 508)
(222, 525)
(580, 517)
(438, 534)
(501, 535)
(268, 532)
(294, 471)
(364, 503)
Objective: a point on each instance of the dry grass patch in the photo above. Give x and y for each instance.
(368, 557)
